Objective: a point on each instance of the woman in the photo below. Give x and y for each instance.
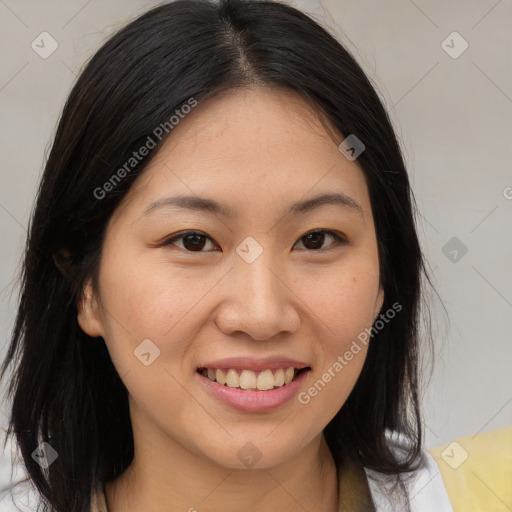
(221, 287)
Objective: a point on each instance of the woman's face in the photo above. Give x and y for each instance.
(252, 288)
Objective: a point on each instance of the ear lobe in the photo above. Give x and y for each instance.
(379, 303)
(88, 312)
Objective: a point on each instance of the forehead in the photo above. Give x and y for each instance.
(245, 145)
(247, 115)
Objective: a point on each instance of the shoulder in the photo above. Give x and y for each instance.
(424, 487)
(477, 471)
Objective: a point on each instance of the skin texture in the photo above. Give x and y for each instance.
(256, 151)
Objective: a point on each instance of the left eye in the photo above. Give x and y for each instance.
(194, 241)
(314, 239)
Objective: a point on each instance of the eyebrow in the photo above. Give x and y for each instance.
(204, 204)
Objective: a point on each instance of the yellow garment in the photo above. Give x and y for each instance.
(477, 471)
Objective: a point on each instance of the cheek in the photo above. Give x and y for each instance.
(344, 308)
(344, 301)
(137, 305)
(147, 296)
(343, 304)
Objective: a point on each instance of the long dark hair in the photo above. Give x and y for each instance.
(65, 389)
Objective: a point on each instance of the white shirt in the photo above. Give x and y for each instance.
(425, 489)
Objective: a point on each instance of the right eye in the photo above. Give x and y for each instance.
(193, 241)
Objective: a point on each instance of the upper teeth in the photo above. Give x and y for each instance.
(248, 379)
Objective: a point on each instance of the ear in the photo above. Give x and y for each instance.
(89, 317)
(378, 303)
(62, 260)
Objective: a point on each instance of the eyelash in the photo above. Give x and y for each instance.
(170, 241)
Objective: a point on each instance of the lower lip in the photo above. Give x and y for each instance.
(254, 401)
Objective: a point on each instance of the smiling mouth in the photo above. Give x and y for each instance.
(249, 380)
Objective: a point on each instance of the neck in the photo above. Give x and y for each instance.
(175, 479)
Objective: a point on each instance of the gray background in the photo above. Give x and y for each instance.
(452, 116)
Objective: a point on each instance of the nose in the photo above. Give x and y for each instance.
(258, 300)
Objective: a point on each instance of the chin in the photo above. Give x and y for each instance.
(250, 456)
